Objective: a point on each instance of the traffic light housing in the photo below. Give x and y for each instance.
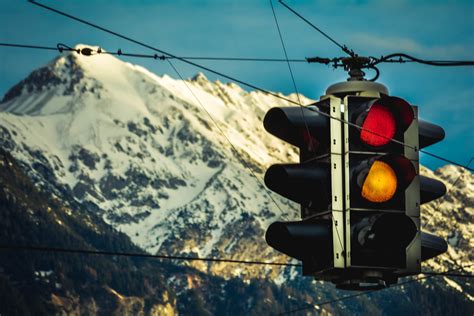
(358, 184)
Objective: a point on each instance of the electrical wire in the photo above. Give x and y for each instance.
(139, 255)
(154, 56)
(300, 104)
(89, 52)
(344, 48)
(183, 258)
(450, 188)
(217, 259)
(243, 59)
(28, 46)
(227, 76)
(246, 165)
(442, 63)
(291, 73)
(427, 275)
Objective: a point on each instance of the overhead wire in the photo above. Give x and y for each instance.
(427, 275)
(291, 71)
(246, 165)
(299, 100)
(89, 52)
(344, 48)
(450, 188)
(138, 255)
(154, 56)
(445, 63)
(225, 76)
(170, 56)
(10, 247)
(320, 60)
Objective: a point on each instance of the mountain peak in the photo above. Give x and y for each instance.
(199, 77)
(72, 76)
(63, 76)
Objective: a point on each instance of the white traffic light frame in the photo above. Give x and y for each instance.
(337, 183)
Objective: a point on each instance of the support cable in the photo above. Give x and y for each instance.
(450, 188)
(344, 48)
(246, 165)
(300, 104)
(427, 275)
(89, 52)
(7, 247)
(224, 75)
(138, 255)
(291, 74)
(442, 63)
(84, 51)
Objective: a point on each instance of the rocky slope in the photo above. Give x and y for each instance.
(56, 283)
(142, 152)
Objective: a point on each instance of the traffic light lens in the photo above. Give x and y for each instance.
(380, 184)
(379, 126)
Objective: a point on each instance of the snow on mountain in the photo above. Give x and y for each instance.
(451, 217)
(140, 150)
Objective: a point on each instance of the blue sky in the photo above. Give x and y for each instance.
(425, 29)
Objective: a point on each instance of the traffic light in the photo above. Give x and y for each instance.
(315, 183)
(359, 187)
(386, 191)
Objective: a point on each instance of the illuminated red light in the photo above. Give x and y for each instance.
(381, 121)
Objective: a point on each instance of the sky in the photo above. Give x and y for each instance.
(246, 28)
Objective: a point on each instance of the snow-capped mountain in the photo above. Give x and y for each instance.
(171, 168)
(171, 163)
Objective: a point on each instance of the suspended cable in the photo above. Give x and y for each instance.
(427, 275)
(88, 52)
(442, 63)
(299, 100)
(139, 255)
(344, 48)
(28, 46)
(291, 73)
(225, 76)
(225, 136)
(154, 56)
(242, 59)
(450, 188)
(454, 275)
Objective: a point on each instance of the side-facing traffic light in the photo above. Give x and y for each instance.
(314, 183)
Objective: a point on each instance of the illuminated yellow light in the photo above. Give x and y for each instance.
(380, 184)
